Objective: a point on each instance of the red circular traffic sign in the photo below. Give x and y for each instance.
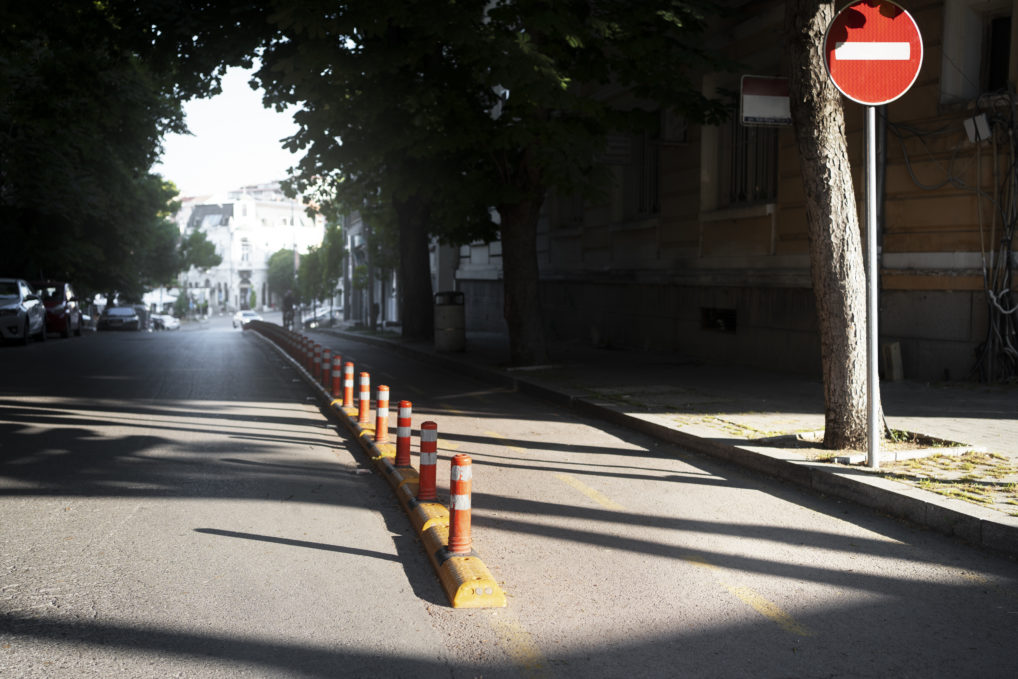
(873, 51)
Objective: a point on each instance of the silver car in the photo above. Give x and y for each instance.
(22, 313)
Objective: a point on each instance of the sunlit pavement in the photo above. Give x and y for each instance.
(175, 504)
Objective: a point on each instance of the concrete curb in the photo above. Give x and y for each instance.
(466, 580)
(975, 525)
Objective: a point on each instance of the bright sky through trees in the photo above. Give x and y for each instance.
(235, 141)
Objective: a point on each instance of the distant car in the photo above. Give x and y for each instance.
(119, 318)
(242, 318)
(165, 322)
(22, 313)
(63, 315)
(324, 318)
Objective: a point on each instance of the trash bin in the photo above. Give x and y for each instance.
(450, 323)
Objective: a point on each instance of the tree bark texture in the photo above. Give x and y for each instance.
(520, 273)
(835, 244)
(416, 304)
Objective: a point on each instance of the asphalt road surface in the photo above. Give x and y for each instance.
(178, 504)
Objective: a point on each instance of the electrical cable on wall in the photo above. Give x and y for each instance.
(997, 356)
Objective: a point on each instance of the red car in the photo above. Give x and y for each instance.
(63, 315)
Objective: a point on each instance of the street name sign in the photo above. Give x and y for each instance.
(873, 51)
(764, 101)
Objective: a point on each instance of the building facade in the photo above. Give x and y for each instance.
(246, 226)
(700, 248)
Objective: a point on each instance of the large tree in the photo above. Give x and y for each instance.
(378, 125)
(87, 91)
(444, 108)
(836, 262)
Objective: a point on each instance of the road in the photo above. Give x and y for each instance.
(177, 504)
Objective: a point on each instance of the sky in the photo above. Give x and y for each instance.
(234, 141)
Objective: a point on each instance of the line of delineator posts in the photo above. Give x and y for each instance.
(445, 533)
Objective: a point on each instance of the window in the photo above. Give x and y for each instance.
(634, 161)
(998, 53)
(747, 164)
(245, 250)
(569, 211)
(976, 48)
(738, 163)
(642, 177)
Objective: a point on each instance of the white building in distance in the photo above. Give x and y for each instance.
(246, 226)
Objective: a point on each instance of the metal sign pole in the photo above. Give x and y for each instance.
(872, 310)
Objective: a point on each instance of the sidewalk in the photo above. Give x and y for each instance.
(770, 421)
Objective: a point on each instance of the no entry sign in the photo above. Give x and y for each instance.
(873, 51)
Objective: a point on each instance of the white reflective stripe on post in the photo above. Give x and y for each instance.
(429, 458)
(429, 435)
(403, 432)
(405, 412)
(462, 473)
(459, 502)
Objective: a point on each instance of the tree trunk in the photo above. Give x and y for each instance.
(520, 277)
(416, 304)
(836, 262)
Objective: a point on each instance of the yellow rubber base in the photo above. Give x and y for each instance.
(465, 579)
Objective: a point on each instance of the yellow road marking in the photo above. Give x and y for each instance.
(496, 435)
(450, 409)
(749, 596)
(519, 645)
(590, 492)
(768, 609)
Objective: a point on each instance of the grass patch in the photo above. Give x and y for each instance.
(986, 479)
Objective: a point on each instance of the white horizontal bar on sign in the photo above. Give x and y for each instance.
(872, 51)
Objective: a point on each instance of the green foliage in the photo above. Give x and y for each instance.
(252, 300)
(197, 251)
(281, 273)
(310, 279)
(360, 277)
(333, 252)
(87, 90)
(181, 306)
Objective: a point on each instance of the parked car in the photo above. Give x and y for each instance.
(165, 322)
(22, 313)
(63, 315)
(242, 318)
(119, 318)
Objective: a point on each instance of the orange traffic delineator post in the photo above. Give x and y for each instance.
(326, 368)
(403, 425)
(348, 385)
(337, 376)
(427, 491)
(459, 504)
(316, 362)
(382, 414)
(464, 577)
(364, 404)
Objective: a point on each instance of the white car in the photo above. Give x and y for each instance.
(22, 313)
(165, 322)
(242, 318)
